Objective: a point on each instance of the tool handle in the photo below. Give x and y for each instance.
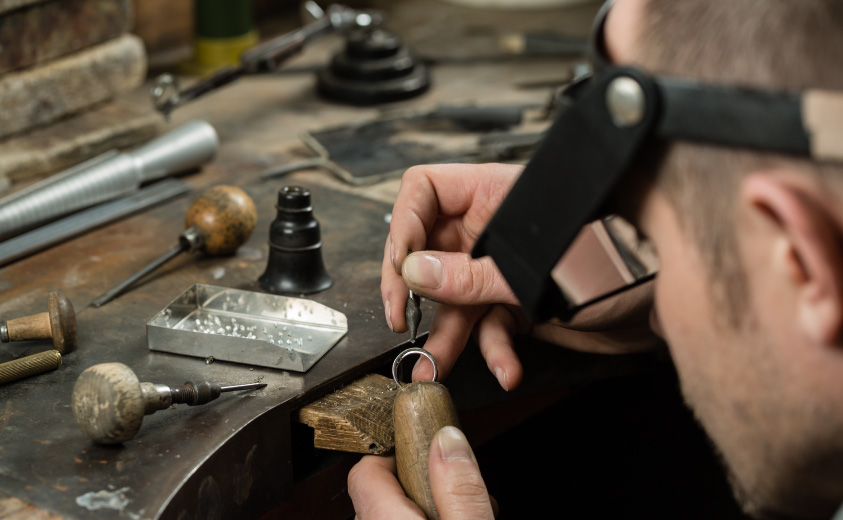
(36, 326)
(421, 409)
(109, 403)
(29, 366)
(224, 216)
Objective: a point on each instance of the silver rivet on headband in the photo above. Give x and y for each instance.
(419, 351)
(625, 101)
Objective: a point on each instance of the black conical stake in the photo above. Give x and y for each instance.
(295, 247)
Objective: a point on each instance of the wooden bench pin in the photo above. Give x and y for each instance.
(58, 324)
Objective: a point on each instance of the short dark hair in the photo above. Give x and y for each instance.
(771, 44)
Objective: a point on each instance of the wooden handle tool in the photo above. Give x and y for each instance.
(109, 402)
(58, 324)
(218, 222)
(421, 409)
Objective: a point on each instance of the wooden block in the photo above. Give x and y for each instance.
(166, 28)
(41, 95)
(356, 418)
(70, 141)
(46, 31)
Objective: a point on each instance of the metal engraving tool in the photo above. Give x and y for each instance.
(413, 315)
(107, 177)
(109, 401)
(412, 312)
(265, 57)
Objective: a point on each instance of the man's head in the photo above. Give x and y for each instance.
(750, 290)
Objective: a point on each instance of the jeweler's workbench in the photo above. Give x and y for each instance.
(235, 458)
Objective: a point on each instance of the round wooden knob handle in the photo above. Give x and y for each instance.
(108, 403)
(62, 322)
(225, 216)
(58, 324)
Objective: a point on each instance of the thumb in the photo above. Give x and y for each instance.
(458, 489)
(456, 278)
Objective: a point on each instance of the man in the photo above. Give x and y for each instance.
(749, 295)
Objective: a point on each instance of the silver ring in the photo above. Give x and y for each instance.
(419, 351)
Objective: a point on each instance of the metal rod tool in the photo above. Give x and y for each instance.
(107, 177)
(29, 366)
(413, 314)
(85, 220)
(109, 401)
(218, 222)
(265, 57)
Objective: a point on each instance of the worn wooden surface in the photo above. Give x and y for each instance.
(41, 95)
(356, 418)
(47, 31)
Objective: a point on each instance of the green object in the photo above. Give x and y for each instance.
(223, 18)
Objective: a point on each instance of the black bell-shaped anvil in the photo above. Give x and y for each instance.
(295, 247)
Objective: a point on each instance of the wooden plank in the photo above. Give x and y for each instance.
(41, 95)
(10, 5)
(166, 28)
(72, 140)
(356, 418)
(47, 31)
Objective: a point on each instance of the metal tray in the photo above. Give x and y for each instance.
(246, 327)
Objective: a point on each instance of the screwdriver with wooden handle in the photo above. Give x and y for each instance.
(109, 402)
(420, 410)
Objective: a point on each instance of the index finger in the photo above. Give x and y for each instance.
(427, 192)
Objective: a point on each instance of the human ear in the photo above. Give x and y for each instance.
(806, 248)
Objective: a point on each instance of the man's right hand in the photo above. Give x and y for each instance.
(438, 215)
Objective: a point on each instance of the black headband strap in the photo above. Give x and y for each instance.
(585, 152)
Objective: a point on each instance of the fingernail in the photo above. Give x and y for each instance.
(388, 315)
(500, 375)
(453, 445)
(423, 271)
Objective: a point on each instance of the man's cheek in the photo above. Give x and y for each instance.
(655, 323)
(666, 319)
